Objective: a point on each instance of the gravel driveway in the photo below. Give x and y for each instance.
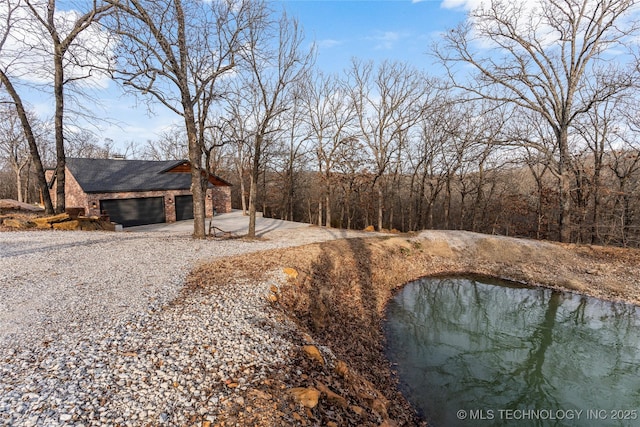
(87, 336)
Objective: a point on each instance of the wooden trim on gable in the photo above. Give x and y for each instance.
(185, 167)
(218, 182)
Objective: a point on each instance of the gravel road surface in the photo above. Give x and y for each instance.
(88, 335)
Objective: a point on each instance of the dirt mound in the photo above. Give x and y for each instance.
(14, 205)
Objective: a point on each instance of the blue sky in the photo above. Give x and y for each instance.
(368, 29)
(392, 29)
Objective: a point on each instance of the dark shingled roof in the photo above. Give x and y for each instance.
(110, 175)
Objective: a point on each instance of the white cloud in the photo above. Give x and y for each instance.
(328, 43)
(526, 13)
(27, 52)
(386, 40)
(42, 109)
(461, 4)
(529, 21)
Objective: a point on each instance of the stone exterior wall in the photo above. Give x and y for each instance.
(218, 197)
(73, 194)
(221, 199)
(48, 174)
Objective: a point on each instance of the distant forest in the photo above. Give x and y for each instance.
(529, 128)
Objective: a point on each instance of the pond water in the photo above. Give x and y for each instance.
(472, 352)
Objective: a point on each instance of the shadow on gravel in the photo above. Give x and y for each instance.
(41, 245)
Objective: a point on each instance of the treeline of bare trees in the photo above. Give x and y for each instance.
(454, 166)
(531, 132)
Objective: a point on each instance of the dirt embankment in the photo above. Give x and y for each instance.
(337, 291)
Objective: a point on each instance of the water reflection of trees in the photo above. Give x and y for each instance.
(466, 344)
(537, 392)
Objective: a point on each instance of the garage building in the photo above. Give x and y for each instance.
(137, 192)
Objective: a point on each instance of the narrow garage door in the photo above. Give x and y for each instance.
(184, 207)
(139, 211)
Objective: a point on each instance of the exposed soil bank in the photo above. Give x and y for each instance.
(337, 292)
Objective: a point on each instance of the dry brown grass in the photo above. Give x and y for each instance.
(339, 296)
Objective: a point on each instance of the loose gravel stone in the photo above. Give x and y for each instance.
(89, 336)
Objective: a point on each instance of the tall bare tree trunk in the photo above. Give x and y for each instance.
(597, 171)
(60, 46)
(380, 205)
(243, 195)
(328, 205)
(539, 211)
(19, 183)
(564, 184)
(27, 184)
(447, 205)
(253, 189)
(33, 146)
(252, 207)
(477, 205)
(565, 208)
(595, 234)
(59, 131)
(18, 167)
(198, 174)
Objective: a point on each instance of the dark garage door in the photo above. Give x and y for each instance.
(184, 207)
(139, 211)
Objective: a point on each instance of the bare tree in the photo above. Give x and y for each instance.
(10, 70)
(598, 131)
(293, 154)
(13, 145)
(538, 167)
(218, 135)
(330, 118)
(175, 51)
(275, 61)
(624, 163)
(388, 101)
(171, 144)
(478, 135)
(240, 148)
(425, 156)
(62, 35)
(539, 58)
(84, 143)
(352, 180)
